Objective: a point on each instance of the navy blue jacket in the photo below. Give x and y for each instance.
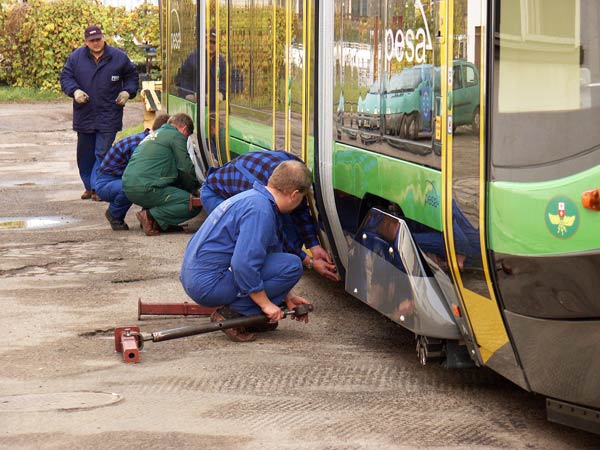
(102, 82)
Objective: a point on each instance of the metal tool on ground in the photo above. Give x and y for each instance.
(130, 340)
(172, 309)
(194, 202)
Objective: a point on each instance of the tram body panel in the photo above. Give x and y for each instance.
(525, 272)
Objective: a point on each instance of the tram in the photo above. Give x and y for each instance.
(455, 147)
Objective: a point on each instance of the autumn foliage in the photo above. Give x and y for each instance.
(37, 37)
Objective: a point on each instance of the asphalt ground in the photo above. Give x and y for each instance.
(349, 379)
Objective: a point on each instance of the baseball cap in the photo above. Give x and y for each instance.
(213, 34)
(93, 32)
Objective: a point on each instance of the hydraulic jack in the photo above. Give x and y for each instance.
(194, 202)
(130, 340)
(172, 309)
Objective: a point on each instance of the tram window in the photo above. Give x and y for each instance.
(184, 54)
(186, 79)
(251, 69)
(471, 78)
(546, 88)
(457, 78)
(385, 84)
(539, 66)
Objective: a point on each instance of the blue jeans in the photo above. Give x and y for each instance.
(110, 189)
(280, 273)
(210, 199)
(91, 149)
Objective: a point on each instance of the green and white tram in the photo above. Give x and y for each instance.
(456, 151)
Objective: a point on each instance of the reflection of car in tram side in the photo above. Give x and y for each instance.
(465, 90)
(409, 102)
(369, 108)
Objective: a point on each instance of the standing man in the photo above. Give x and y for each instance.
(109, 185)
(220, 71)
(236, 258)
(299, 227)
(101, 79)
(160, 177)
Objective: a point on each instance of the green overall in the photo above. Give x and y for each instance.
(160, 177)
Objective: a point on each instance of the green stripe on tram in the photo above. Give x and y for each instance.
(416, 189)
(543, 218)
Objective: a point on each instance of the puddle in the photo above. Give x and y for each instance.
(59, 401)
(25, 183)
(33, 223)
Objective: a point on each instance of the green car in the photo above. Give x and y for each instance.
(465, 93)
(410, 100)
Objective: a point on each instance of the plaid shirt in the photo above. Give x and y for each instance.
(227, 181)
(118, 155)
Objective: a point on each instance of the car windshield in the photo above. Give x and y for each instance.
(407, 80)
(374, 89)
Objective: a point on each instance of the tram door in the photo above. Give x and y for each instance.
(258, 76)
(464, 197)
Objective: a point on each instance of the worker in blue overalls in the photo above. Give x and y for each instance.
(299, 227)
(236, 259)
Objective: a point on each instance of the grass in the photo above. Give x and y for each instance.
(26, 95)
(129, 131)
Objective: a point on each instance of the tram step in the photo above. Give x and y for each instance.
(574, 416)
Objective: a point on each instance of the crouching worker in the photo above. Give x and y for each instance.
(236, 258)
(160, 177)
(108, 179)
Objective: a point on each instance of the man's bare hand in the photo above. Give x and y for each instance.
(273, 312)
(323, 263)
(291, 301)
(323, 268)
(319, 252)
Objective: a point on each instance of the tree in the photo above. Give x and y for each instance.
(37, 37)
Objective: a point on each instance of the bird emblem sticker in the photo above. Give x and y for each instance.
(562, 217)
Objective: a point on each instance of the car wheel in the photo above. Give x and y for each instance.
(412, 127)
(403, 128)
(475, 122)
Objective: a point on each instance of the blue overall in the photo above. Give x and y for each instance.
(237, 251)
(291, 238)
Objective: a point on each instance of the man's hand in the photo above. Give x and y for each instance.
(292, 300)
(80, 96)
(319, 252)
(326, 269)
(273, 312)
(122, 98)
(221, 96)
(323, 264)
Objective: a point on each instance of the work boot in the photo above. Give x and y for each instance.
(86, 195)
(269, 326)
(177, 229)
(147, 223)
(96, 197)
(116, 224)
(235, 334)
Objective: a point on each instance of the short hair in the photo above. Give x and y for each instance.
(182, 119)
(290, 176)
(159, 121)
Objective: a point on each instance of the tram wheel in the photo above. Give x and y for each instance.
(422, 350)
